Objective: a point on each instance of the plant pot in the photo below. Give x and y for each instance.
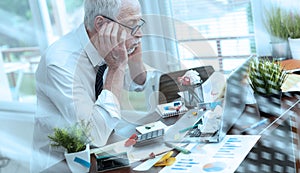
(295, 48)
(79, 161)
(280, 50)
(269, 104)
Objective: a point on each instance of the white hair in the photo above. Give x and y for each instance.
(93, 8)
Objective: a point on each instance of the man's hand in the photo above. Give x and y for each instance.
(136, 55)
(112, 45)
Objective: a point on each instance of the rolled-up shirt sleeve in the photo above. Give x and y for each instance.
(70, 100)
(130, 85)
(107, 105)
(108, 101)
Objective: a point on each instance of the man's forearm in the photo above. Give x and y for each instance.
(114, 81)
(138, 72)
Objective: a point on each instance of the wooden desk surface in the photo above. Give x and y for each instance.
(290, 64)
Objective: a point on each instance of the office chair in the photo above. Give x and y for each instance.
(169, 87)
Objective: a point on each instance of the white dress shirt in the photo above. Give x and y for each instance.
(65, 88)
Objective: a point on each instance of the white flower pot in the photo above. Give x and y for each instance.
(295, 48)
(79, 161)
(280, 50)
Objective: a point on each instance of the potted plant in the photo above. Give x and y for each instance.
(293, 27)
(275, 24)
(266, 78)
(75, 139)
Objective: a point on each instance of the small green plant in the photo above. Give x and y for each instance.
(275, 24)
(292, 23)
(266, 76)
(73, 139)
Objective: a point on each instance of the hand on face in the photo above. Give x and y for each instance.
(112, 45)
(136, 54)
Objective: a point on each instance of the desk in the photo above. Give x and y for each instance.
(273, 153)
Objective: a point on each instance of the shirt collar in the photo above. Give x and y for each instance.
(88, 47)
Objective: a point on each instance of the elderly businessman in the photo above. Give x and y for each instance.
(80, 77)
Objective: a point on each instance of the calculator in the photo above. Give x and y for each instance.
(150, 137)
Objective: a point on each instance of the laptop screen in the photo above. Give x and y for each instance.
(235, 96)
(232, 108)
(234, 103)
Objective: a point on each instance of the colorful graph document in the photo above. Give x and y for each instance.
(225, 156)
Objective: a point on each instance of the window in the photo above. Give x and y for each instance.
(33, 25)
(17, 44)
(214, 32)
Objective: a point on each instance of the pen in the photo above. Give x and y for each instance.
(176, 106)
(188, 128)
(152, 155)
(259, 123)
(180, 149)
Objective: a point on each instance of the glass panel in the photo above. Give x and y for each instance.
(199, 48)
(133, 101)
(75, 13)
(18, 45)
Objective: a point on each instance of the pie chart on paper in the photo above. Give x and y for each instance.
(214, 167)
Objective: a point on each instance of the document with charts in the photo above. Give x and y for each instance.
(225, 156)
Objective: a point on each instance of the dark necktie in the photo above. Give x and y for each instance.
(99, 80)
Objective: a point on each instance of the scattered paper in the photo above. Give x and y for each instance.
(213, 88)
(145, 166)
(225, 156)
(134, 153)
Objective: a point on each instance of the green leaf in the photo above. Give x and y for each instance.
(275, 24)
(73, 138)
(265, 77)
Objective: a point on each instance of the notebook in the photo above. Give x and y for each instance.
(171, 109)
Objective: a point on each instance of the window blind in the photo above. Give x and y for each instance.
(214, 32)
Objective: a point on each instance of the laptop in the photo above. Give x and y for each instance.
(232, 107)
